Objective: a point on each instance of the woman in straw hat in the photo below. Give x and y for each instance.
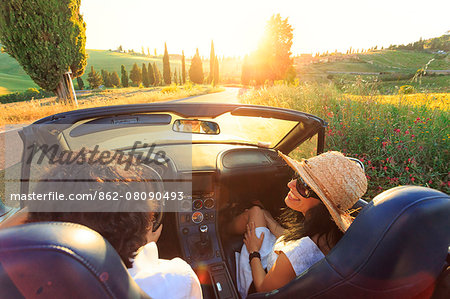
(324, 189)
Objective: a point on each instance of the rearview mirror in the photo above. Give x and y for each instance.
(196, 126)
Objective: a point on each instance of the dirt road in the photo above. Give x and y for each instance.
(230, 96)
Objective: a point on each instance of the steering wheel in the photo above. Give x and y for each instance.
(160, 188)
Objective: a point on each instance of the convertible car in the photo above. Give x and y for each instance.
(219, 158)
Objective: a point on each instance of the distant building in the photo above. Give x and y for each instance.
(303, 59)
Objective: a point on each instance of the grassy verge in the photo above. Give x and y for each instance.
(26, 112)
(402, 140)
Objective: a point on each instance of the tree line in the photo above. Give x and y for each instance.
(147, 75)
(435, 44)
(150, 75)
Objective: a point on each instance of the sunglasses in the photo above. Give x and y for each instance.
(303, 189)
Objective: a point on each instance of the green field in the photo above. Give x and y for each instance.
(13, 77)
(405, 60)
(394, 68)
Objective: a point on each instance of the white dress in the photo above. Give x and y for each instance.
(164, 279)
(302, 253)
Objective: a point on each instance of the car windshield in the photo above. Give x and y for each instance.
(113, 134)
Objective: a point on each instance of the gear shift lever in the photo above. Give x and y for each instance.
(202, 248)
(203, 233)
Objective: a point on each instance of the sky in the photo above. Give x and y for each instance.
(236, 26)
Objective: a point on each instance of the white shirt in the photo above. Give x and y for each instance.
(164, 279)
(302, 254)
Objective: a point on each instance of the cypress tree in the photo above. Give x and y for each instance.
(157, 74)
(114, 77)
(47, 38)
(216, 72)
(180, 79)
(212, 57)
(151, 74)
(145, 80)
(80, 83)
(160, 78)
(136, 75)
(183, 69)
(245, 76)
(94, 79)
(175, 77)
(196, 69)
(166, 66)
(124, 75)
(106, 76)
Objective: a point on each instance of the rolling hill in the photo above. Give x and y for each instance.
(390, 68)
(13, 77)
(399, 61)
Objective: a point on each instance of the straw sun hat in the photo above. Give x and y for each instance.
(338, 181)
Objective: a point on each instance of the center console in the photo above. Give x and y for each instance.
(198, 235)
(198, 230)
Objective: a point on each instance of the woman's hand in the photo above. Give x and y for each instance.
(153, 236)
(252, 242)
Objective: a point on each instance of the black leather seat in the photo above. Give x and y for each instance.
(61, 260)
(396, 248)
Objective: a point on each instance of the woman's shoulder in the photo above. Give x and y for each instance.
(302, 253)
(302, 243)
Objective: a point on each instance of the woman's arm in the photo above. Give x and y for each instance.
(276, 229)
(281, 272)
(279, 275)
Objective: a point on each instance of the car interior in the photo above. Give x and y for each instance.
(397, 247)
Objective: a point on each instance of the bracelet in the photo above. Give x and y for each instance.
(253, 255)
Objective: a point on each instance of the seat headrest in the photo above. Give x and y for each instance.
(53, 259)
(396, 248)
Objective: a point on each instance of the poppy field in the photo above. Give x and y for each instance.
(401, 139)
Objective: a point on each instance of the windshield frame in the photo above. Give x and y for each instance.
(201, 110)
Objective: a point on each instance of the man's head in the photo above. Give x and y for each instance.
(126, 227)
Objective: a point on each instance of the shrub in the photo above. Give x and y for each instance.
(29, 94)
(94, 78)
(406, 89)
(170, 89)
